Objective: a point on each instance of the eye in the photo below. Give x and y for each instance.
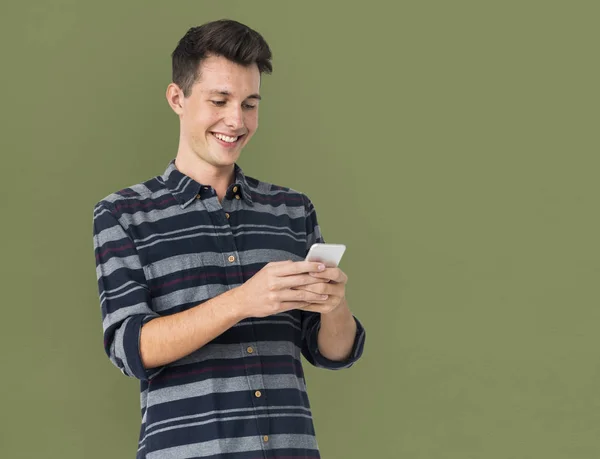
(218, 103)
(249, 106)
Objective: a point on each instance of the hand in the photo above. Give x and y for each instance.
(271, 290)
(335, 287)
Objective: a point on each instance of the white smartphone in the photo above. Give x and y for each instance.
(328, 254)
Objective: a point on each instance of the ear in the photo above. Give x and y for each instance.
(175, 98)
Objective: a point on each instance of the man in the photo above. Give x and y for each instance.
(205, 294)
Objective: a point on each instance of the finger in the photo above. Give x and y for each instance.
(322, 288)
(333, 274)
(289, 305)
(298, 267)
(298, 281)
(302, 295)
(279, 263)
(335, 291)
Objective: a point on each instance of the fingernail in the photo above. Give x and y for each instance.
(324, 297)
(321, 267)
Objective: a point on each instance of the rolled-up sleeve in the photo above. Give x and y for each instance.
(311, 321)
(124, 294)
(310, 330)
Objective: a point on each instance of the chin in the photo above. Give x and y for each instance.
(225, 160)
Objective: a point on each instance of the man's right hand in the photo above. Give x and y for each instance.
(270, 291)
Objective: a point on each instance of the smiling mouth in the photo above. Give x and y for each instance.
(227, 139)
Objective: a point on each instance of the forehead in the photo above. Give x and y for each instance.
(219, 73)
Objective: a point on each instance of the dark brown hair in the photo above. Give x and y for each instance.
(230, 39)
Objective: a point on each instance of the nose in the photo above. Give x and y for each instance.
(234, 118)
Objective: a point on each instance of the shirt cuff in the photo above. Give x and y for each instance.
(323, 362)
(131, 345)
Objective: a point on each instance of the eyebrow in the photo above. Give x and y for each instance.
(227, 93)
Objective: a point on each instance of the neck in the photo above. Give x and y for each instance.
(207, 174)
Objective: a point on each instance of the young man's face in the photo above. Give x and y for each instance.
(221, 114)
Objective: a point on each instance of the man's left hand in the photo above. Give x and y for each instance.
(333, 284)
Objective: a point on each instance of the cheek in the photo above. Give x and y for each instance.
(206, 120)
(200, 119)
(251, 122)
(198, 137)
(197, 131)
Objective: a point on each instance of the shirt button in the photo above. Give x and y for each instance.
(237, 196)
(265, 438)
(235, 189)
(258, 393)
(198, 196)
(226, 214)
(249, 350)
(231, 258)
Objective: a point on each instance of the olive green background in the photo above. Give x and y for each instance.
(452, 146)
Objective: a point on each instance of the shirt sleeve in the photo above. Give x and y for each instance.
(311, 321)
(124, 294)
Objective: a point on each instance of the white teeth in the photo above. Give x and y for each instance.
(225, 138)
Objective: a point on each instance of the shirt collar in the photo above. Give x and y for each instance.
(185, 189)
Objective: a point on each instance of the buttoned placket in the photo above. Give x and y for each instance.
(222, 214)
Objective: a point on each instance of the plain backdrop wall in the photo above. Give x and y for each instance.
(452, 146)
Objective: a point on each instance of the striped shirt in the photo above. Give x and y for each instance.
(167, 245)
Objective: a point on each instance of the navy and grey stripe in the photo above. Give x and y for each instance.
(168, 244)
